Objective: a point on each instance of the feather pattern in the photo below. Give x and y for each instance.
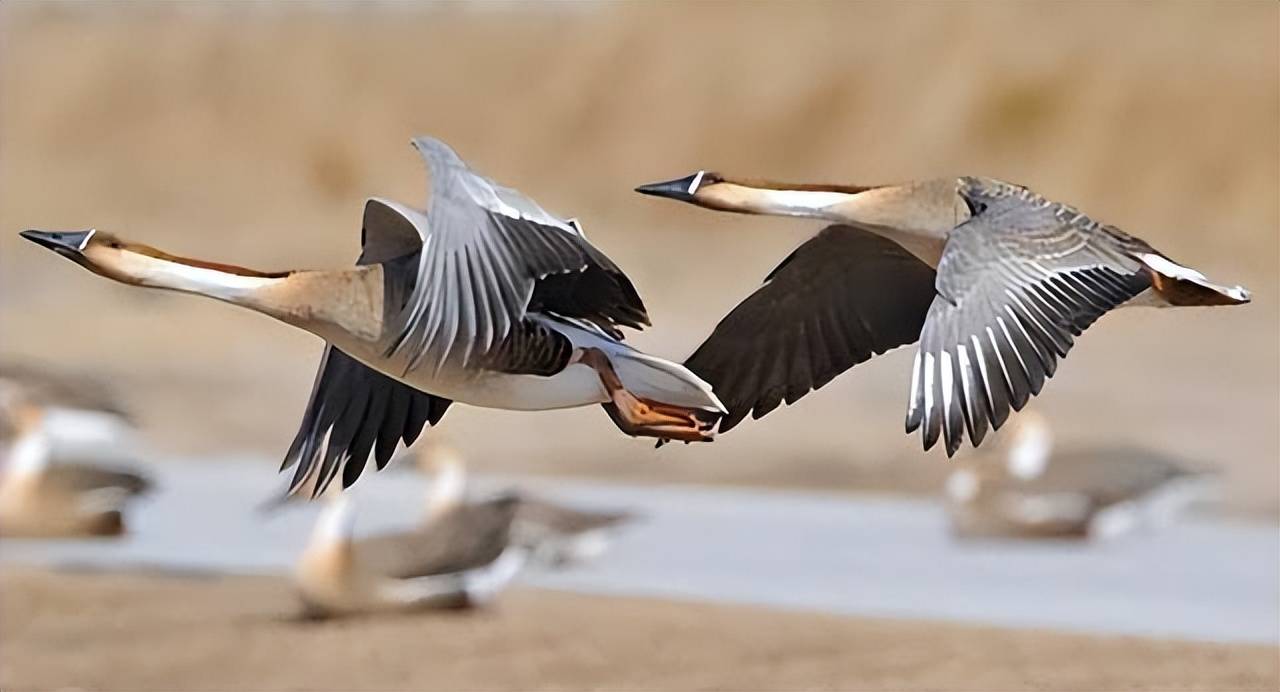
(485, 250)
(843, 296)
(1016, 283)
(464, 284)
(354, 411)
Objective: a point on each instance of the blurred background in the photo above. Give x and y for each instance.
(252, 133)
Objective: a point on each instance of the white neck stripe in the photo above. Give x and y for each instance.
(697, 180)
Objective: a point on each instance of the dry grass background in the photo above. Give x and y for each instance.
(251, 135)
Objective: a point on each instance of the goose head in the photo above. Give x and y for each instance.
(697, 188)
(26, 449)
(929, 208)
(447, 471)
(142, 265)
(1030, 446)
(73, 245)
(100, 253)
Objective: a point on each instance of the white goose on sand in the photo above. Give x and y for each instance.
(1028, 489)
(462, 558)
(43, 495)
(483, 298)
(556, 535)
(994, 281)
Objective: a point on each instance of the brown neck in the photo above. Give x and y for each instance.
(325, 302)
(320, 301)
(918, 216)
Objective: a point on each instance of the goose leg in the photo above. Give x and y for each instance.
(640, 417)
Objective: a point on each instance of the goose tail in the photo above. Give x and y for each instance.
(662, 380)
(1177, 285)
(650, 377)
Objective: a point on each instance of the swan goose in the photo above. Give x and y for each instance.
(994, 281)
(463, 557)
(43, 499)
(483, 298)
(556, 535)
(1030, 490)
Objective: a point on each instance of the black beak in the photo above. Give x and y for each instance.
(70, 243)
(681, 189)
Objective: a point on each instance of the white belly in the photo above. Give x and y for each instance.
(577, 385)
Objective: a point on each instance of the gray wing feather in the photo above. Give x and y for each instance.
(485, 248)
(1016, 283)
(470, 536)
(457, 280)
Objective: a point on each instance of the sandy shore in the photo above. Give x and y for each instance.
(137, 632)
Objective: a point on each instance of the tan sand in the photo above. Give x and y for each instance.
(252, 135)
(128, 632)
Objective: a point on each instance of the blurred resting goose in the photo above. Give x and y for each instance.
(40, 412)
(484, 298)
(555, 534)
(1029, 490)
(994, 280)
(462, 558)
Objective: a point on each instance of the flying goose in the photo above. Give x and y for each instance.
(1033, 491)
(461, 558)
(39, 498)
(556, 535)
(994, 280)
(484, 298)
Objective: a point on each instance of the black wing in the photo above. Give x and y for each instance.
(600, 294)
(843, 296)
(355, 410)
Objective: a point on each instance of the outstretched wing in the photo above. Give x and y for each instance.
(486, 250)
(843, 296)
(355, 410)
(1016, 283)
